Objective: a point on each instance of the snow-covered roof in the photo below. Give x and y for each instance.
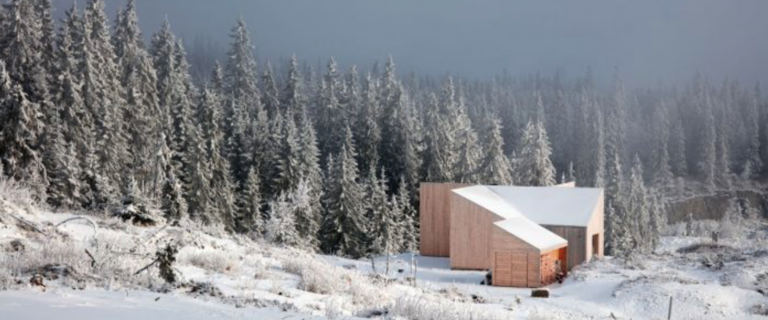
(514, 221)
(491, 201)
(532, 233)
(551, 205)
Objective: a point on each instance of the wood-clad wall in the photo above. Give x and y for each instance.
(580, 238)
(577, 243)
(471, 229)
(597, 226)
(514, 263)
(434, 218)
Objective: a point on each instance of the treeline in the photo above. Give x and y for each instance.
(92, 117)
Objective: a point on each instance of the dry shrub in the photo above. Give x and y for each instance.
(210, 260)
(424, 307)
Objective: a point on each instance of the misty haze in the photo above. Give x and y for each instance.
(403, 159)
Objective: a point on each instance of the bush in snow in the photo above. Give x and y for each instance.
(210, 260)
(422, 307)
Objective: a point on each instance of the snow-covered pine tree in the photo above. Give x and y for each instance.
(173, 204)
(662, 171)
(181, 114)
(22, 49)
(240, 78)
(270, 98)
(402, 135)
(590, 158)
(20, 129)
(222, 188)
(293, 100)
(306, 214)
(343, 230)
(248, 203)
(658, 218)
(753, 163)
(330, 114)
(267, 152)
(708, 156)
(495, 167)
(309, 166)
(137, 76)
(44, 10)
(677, 150)
(63, 168)
(378, 214)
(408, 218)
(636, 210)
(288, 158)
(163, 51)
(281, 225)
(439, 155)
(532, 165)
(197, 187)
(367, 128)
(103, 97)
(723, 175)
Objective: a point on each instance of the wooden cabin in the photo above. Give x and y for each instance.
(539, 230)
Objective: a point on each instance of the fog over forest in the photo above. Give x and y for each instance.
(650, 42)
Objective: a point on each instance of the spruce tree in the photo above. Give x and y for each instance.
(249, 201)
(343, 230)
(439, 155)
(137, 76)
(408, 219)
(288, 159)
(663, 177)
(20, 129)
(708, 156)
(281, 225)
(367, 128)
(293, 100)
(381, 223)
(677, 150)
(271, 97)
(244, 97)
(532, 164)
(173, 204)
(495, 167)
(103, 98)
(307, 215)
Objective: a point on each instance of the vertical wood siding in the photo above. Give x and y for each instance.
(434, 218)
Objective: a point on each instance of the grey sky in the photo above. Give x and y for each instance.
(649, 41)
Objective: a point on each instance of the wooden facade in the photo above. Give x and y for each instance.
(515, 263)
(582, 241)
(434, 218)
(471, 232)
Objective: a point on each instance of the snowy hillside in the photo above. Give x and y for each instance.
(89, 271)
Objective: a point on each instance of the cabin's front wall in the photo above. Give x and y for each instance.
(470, 235)
(434, 218)
(577, 243)
(514, 263)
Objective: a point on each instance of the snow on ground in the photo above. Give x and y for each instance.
(224, 277)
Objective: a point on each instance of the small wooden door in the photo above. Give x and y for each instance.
(510, 269)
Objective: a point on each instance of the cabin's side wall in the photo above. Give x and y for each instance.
(577, 243)
(434, 218)
(514, 263)
(470, 235)
(597, 227)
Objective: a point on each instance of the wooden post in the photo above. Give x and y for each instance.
(669, 315)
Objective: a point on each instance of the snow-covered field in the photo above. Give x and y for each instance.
(224, 277)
